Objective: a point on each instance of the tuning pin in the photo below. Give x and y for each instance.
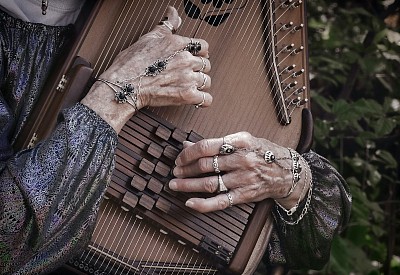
(297, 28)
(287, 48)
(287, 26)
(286, 3)
(290, 86)
(300, 90)
(288, 69)
(298, 50)
(296, 4)
(298, 73)
(302, 102)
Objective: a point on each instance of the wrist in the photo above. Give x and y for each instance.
(298, 189)
(101, 99)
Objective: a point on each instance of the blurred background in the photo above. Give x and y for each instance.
(354, 58)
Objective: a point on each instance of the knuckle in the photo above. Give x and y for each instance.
(222, 204)
(203, 165)
(210, 186)
(204, 146)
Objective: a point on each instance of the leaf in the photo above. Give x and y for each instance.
(387, 158)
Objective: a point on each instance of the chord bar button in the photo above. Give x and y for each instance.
(147, 202)
(146, 166)
(138, 182)
(130, 199)
(155, 185)
(163, 132)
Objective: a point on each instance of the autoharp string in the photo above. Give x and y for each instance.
(119, 28)
(113, 42)
(124, 20)
(238, 32)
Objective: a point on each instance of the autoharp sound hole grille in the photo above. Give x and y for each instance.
(144, 227)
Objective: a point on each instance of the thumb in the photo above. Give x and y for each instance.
(173, 21)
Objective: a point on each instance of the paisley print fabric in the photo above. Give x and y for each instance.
(49, 195)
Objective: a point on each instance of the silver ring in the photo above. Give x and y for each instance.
(215, 164)
(168, 25)
(204, 64)
(204, 82)
(226, 148)
(221, 186)
(197, 106)
(230, 199)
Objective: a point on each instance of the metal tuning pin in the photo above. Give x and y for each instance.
(290, 86)
(300, 90)
(287, 48)
(288, 69)
(297, 28)
(286, 26)
(286, 3)
(296, 4)
(298, 73)
(297, 51)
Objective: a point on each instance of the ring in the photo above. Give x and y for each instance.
(226, 148)
(204, 82)
(215, 164)
(204, 64)
(197, 106)
(168, 25)
(230, 199)
(193, 47)
(221, 186)
(269, 157)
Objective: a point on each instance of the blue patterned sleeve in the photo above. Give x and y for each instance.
(307, 244)
(49, 195)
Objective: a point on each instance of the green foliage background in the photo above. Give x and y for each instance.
(354, 55)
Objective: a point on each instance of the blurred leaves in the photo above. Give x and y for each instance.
(354, 49)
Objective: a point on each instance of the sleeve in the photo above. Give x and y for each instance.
(49, 195)
(307, 244)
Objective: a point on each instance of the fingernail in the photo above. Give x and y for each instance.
(173, 185)
(177, 171)
(189, 204)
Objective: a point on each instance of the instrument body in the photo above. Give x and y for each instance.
(143, 227)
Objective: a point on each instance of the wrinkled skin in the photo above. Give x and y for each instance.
(248, 177)
(176, 85)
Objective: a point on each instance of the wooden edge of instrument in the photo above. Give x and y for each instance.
(307, 132)
(261, 213)
(51, 100)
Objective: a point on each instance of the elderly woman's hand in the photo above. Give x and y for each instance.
(250, 173)
(181, 78)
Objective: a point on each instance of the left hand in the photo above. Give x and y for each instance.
(248, 177)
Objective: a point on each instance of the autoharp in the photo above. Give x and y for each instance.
(258, 51)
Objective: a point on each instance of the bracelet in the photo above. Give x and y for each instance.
(296, 170)
(306, 206)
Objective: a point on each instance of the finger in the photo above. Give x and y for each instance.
(198, 47)
(204, 81)
(219, 202)
(204, 184)
(205, 101)
(201, 166)
(170, 23)
(211, 147)
(201, 149)
(203, 66)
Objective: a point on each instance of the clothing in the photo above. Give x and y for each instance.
(49, 195)
(58, 12)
